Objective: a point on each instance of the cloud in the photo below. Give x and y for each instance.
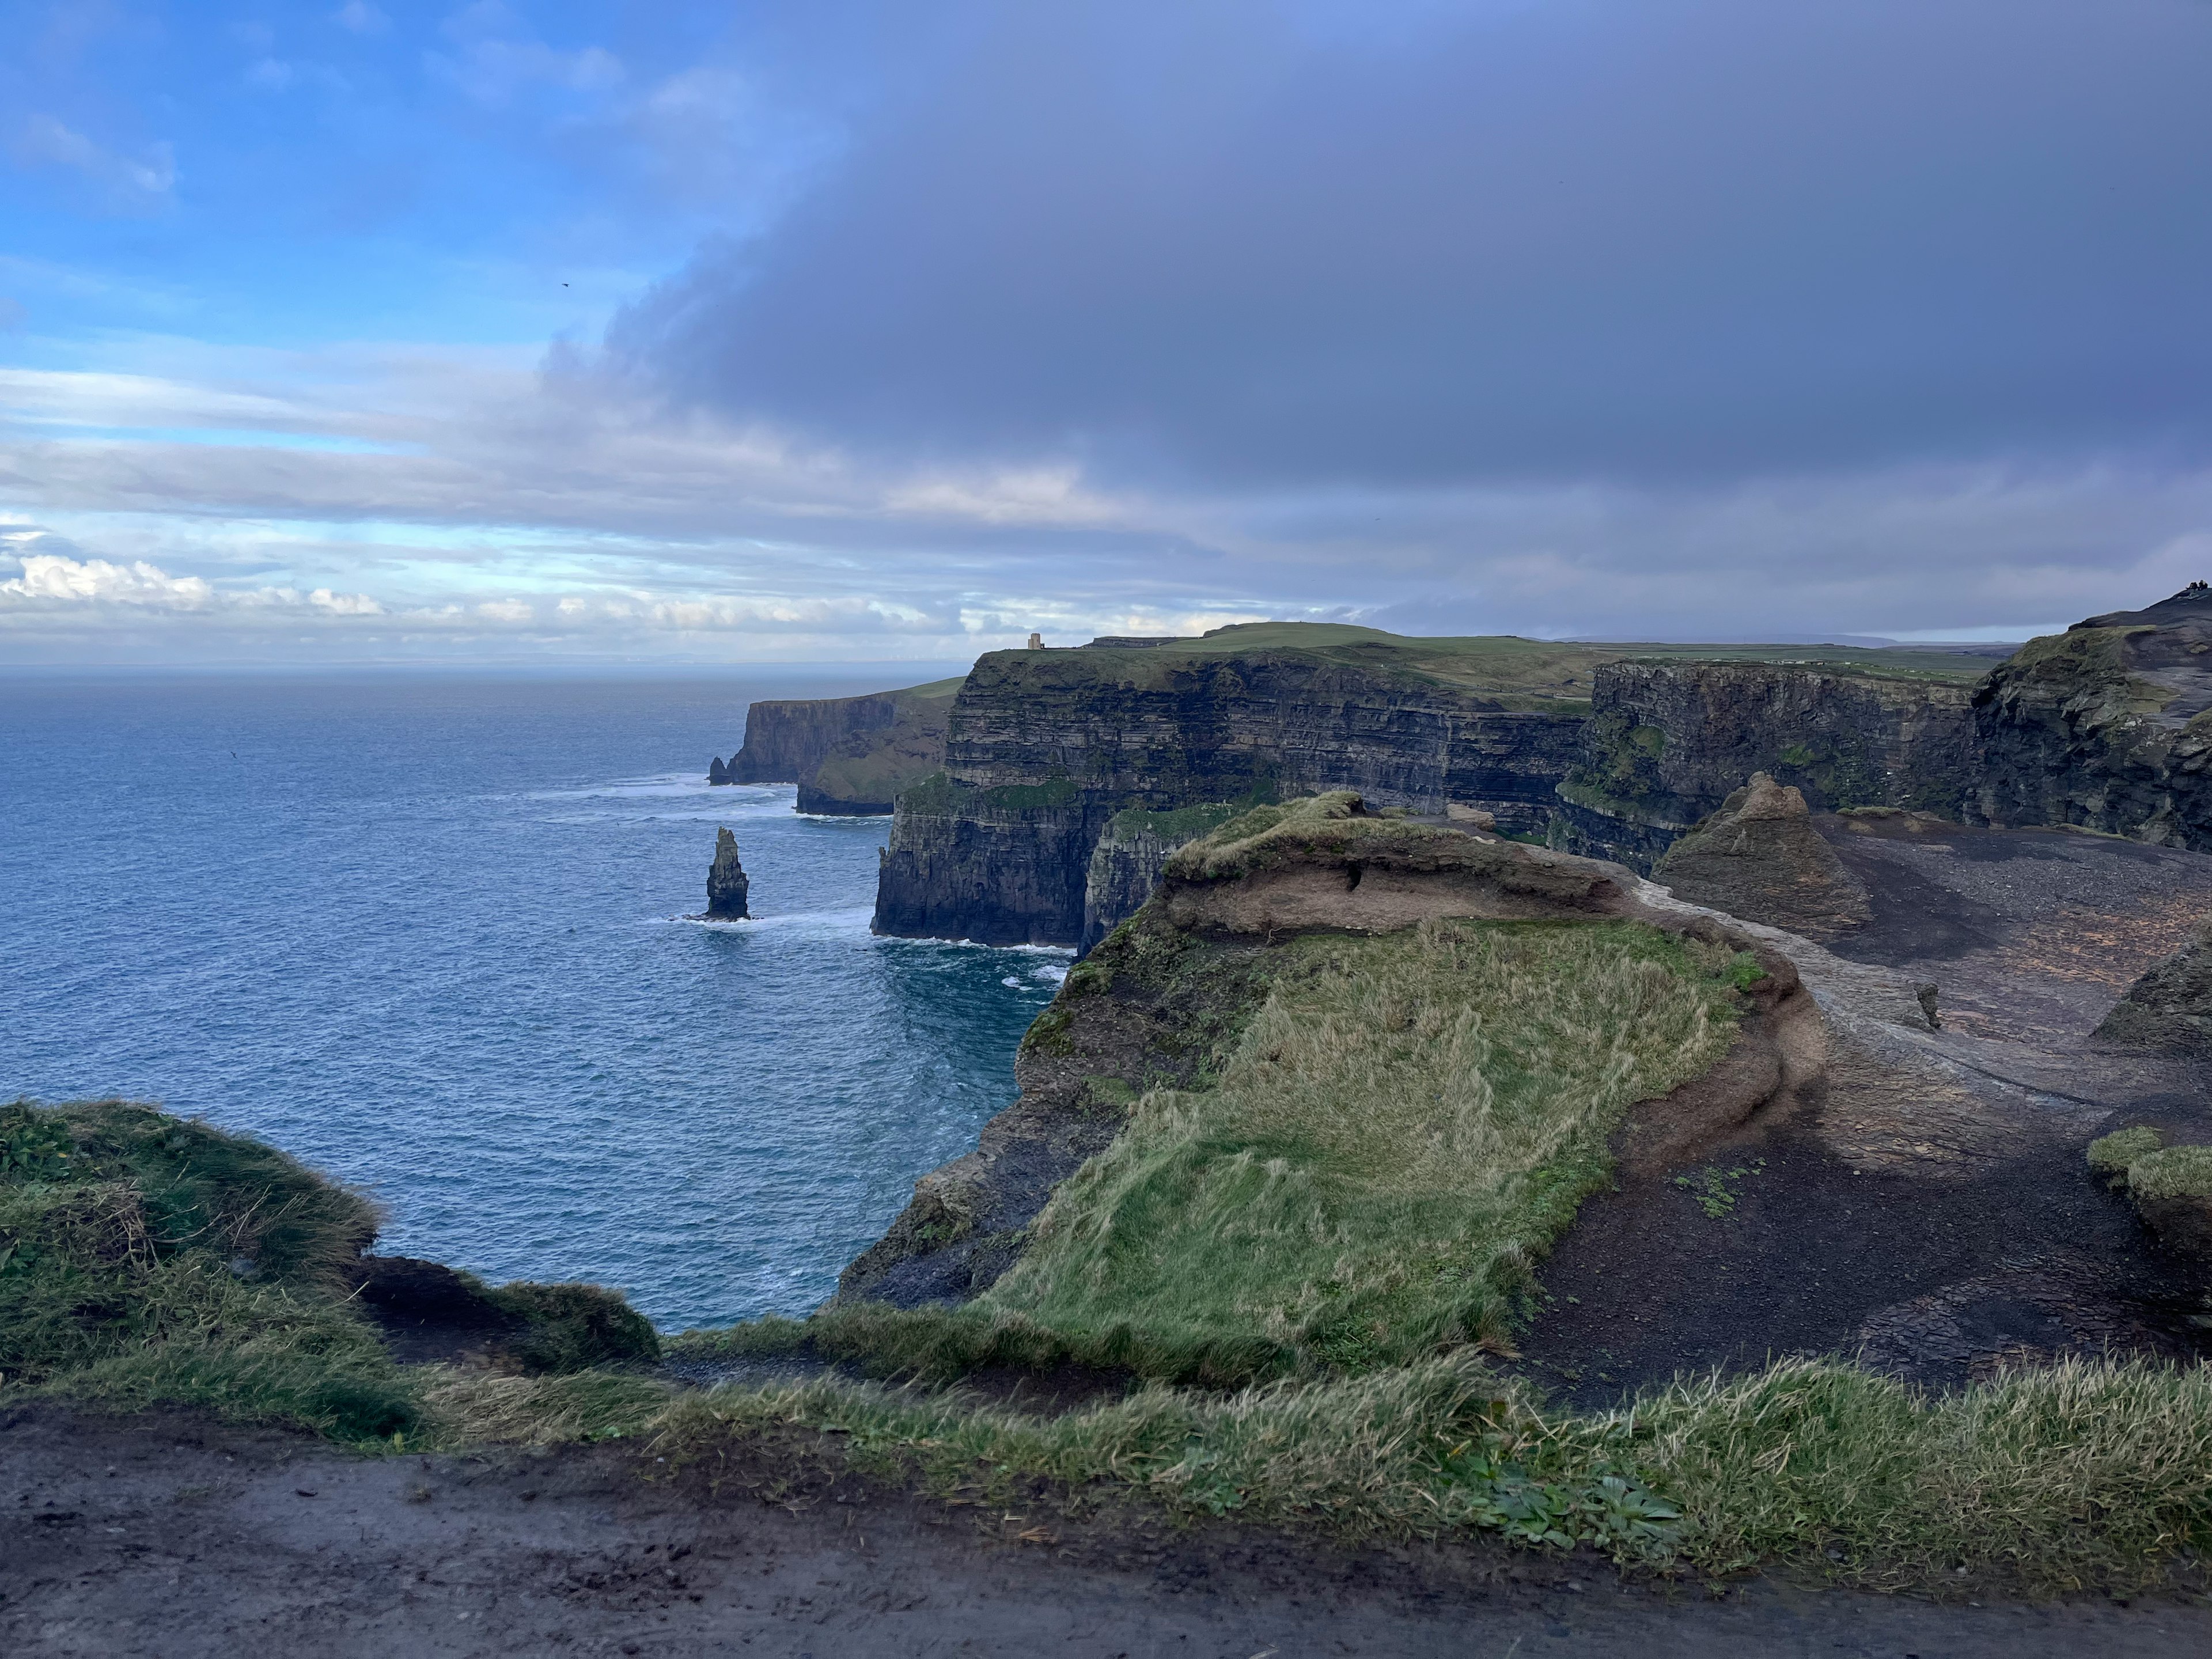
(1223, 246)
(55, 578)
(494, 57)
(55, 582)
(40, 140)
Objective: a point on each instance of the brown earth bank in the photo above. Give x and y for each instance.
(169, 1534)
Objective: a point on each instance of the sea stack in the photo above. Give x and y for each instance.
(718, 773)
(725, 882)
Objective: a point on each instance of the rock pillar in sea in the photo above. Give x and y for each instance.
(725, 882)
(718, 773)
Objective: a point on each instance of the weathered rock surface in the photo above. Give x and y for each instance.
(1126, 864)
(2107, 725)
(2170, 1008)
(1666, 742)
(726, 885)
(1759, 857)
(1044, 747)
(849, 755)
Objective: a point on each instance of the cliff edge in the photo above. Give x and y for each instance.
(2107, 726)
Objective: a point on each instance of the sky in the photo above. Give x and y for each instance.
(826, 330)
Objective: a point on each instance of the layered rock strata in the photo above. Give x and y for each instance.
(1667, 742)
(1759, 857)
(1044, 747)
(727, 887)
(849, 755)
(1126, 863)
(2107, 725)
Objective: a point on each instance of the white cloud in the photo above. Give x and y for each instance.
(52, 576)
(495, 57)
(54, 582)
(41, 140)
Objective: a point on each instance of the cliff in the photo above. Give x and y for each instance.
(1126, 864)
(1042, 748)
(1667, 742)
(849, 755)
(1294, 960)
(2107, 725)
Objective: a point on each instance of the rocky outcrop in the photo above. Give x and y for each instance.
(1044, 747)
(726, 886)
(2170, 1008)
(1126, 864)
(1759, 857)
(849, 755)
(2107, 725)
(1667, 742)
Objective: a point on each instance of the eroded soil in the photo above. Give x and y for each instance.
(165, 1534)
(1930, 1211)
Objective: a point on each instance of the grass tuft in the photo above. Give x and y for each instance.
(2110, 1154)
(2176, 1172)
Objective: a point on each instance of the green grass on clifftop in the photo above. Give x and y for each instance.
(1404, 1127)
(146, 1259)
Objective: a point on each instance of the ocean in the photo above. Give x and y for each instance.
(428, 934)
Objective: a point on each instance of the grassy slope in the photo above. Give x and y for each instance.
(145, 1258)
(1403, 1128)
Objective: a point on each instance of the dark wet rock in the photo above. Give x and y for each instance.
(1760, 858)
(2170, 1008)
(717, 773)
(726, 886)
(2107, 725)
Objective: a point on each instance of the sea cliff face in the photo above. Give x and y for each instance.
(1043, 747)
(849, 755)
(1667, 742)
(2107, 725)
(1126, 864)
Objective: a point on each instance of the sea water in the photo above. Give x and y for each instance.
(430, 936)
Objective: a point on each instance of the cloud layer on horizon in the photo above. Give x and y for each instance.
(1701, 319)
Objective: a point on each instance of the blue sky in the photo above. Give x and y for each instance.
(671, 333)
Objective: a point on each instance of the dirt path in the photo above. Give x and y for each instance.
(169, 1536)
(1931, 1213)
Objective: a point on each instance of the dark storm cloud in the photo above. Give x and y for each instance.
(1235, 246)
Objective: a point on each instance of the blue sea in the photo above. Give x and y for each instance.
(428, 934)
